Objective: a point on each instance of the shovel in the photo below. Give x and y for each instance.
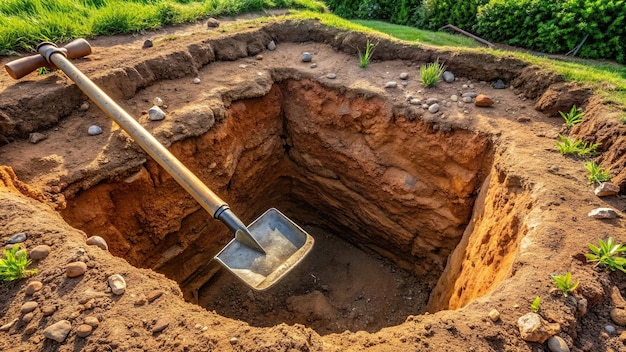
(260, 254)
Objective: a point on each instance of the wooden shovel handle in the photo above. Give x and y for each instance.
(21, 67)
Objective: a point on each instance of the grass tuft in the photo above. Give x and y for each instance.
(430, 74)
(597, 174)
(13, 265)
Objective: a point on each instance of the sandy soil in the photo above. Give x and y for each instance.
(530, 220)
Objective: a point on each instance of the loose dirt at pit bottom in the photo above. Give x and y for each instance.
(327, 314)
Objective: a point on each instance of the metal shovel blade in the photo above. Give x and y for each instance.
(284, 242)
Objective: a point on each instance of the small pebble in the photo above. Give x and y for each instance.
(36, 137)
(29, 307)
(84, 106)
(196, 80)
(618, 316)
(153, 295)
(331, 76)
(404, 75)
(494, 315)
(58, 331)
(483, 101)
(48, 310)
(307, 57)
(470, 94)
(391, 84)
(465, 86)
(212, 23)
(557, 344)
(467, 99)
(454, 98)
(271, 46)
(156, 114)
(602, 213)
(28, 317)
(434, 108)
(259, 57)
(32, 287)
(499, 84)
(431, 101)
(415, 101)
(147, 44)
(117, 284)
(8, 325)
(141, 301)
(404, 83)
(39, 252)
(30, 330)
(158, 101)
(160, 325)
(94, 130)
(448, 76)
(17, 238)
(233, 340)
(75, 269)
(92, 321)
(84, 330)
(313, 65)
(606, 189)
(610, 329)
(97, 241)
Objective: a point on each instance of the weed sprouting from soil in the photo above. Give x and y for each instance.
(14, 265)
(608, 254)
(597, 174)
(430, 74)
(577, 147)
(573, 117)
(564, 283)
(535, 305)
(364, 58)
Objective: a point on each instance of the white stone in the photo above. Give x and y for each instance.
(271, 46)
(117, 284)
(94, 130)
(196, 80)
(602, 213)
(158, 101)
(494, 315)
(97, 241)
(58, 331)
(533, 328)
(156, 114)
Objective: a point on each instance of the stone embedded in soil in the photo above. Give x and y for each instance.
(97, 241)
(160, 325)
(617, 299)
(8, 325)
(153, 295)
(94, 130)
(391, 84)
(494, 315)
(557, 344)
(271, 46)
(470, 94)
(58, 331)
(196, 80)
(534, 329)
(92, 321)
(234, 340)
(17, 238)
(434, 108)
(448, 76)
(147, 44)
(454, 98)
(609, 329)
(483, 101)
(32, 287)
(618, 316)
(117, 284)
(404, 76)
(467, 99)
(602, 213)
(313, 65)
(259, 57)
(39, 252)
(29, 307)
(581, 306)
(84, 330)
(158, 101)
(75, 269)
(28, 317)
(306, 57)
(606, 189)
(415, 101)
(431, 101)
(212, 23)
(36, 137)
(48, 310)
(156, 114)
(331, 76)
(499, 84)
(84, 106)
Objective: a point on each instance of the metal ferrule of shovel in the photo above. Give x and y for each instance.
(260, 254)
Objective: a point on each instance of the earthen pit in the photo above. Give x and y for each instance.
(333, 159)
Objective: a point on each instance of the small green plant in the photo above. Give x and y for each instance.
(573, 117)
(43, 71)
(564, 283)
(431, 73)
(608, 254)
(14, 266)
(364, 58)
(597, 174)
(535, 304)
(568, 146)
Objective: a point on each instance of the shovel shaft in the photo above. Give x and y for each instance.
(192, 184)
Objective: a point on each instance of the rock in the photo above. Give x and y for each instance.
(36, 137)
(448, 76)
(28, 317)
(94, 130)
(483, 101)
(234, 340)
(158, 101)
(147, 44)
(467, 99)
(404, 83)
(84, 330)
(617, 299)
(196, 80)
(494, 315)
(97, 241)
(581, 306)
(58, 331)
(160, 325)
(75, 269)
(622, 337)
(470, 94)
(602, 213)
(29, 307)
(391, 84)
(259, 57)
(30, 330)
(212, 23)
(534, 329)
(156, 114)
(557, 344)
(92, 321)
(415, 101)
(454, 98)
(17, 238)
(331, 76)
(606, 189)
(84, 106)
(313, 65)
(117, 284)
(499, 84)
(271, 46)
(39, 252)
(153, 295)
(523, 119)
(32, 287)
(618, 316)
(434, 108)
(48, 310)
(141, 301)
(404, 76)
(307, 57)
(609, 328)
(8, 325)
(431, 101)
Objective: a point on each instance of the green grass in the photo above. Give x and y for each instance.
(13, 265)
(608, 253)
(431, 73)
(597, 174)
(573, 117)
(564, 283)
(577, 147)
(413, 34)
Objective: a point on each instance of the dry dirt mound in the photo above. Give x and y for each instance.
(456, 212)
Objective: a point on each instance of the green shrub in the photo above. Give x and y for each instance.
(607, 253)
(13, 265)
(578, 147)
(438, 13)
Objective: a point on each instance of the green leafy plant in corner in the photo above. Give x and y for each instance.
(43, 71)
(430, 74)
(578, 147)
(573, 117)
(608, 254)
(364, 58)
(14, 265)
(535, 304)
(564, 283)
(597, 174)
